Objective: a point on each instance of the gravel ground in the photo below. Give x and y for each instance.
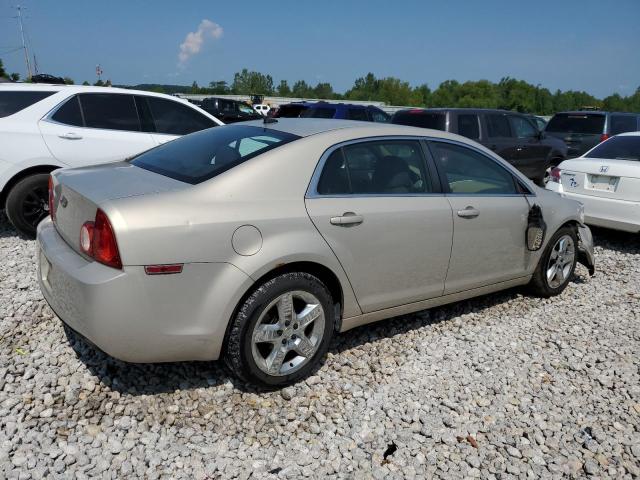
(497, 387)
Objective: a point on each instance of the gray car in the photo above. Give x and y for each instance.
(257, 242)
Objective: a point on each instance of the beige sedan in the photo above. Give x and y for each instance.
(257, 242)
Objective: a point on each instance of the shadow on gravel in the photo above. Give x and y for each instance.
(622, 242)
(6, 229)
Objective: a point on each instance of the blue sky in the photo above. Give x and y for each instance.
(568, 44)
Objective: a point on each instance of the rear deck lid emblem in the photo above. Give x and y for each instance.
(604, 168)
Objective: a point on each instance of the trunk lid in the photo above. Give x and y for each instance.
(601, 177)
(79, 192)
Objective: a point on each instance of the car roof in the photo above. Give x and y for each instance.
(305, 127)
(50, 87)
(628, 134)
(594, 112)
(458, 109)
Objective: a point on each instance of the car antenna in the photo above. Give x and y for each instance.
(270, 120)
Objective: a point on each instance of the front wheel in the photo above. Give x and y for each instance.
(557, 264)
(282, 331)
(28, 203)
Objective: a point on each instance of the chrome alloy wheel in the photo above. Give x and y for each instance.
(288, 333)
(560, 261)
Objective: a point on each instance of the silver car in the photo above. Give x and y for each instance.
(257, 242)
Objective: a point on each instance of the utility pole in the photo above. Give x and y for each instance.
(19, 8)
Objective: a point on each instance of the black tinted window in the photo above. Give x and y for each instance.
(623, 123)
(522, 127)
(419, 118)
(626, 147)
(468, 126)
(110, 111)
(322, 112)
(384, 167)
(469, 172)
(498, 125)
(12, 102)
(174, 118)
(379, 116)
(290, 111)
(203, 155)
(69, 113)
(577, 123)
(357, 114)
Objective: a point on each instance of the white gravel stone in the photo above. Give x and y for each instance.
(499, 386)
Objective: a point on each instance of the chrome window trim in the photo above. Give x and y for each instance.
(312, 189)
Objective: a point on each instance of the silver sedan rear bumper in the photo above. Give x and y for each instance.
(136, 317)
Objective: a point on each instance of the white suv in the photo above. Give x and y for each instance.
(44, 127)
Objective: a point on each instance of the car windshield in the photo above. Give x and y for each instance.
(588, 124)
(319, 112)
(203, 155)
(422, 119)
(626, 147)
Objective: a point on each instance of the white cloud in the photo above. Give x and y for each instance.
(193, 42)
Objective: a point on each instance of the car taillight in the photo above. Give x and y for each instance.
(98, 241)
(604, 137)
(52, 210)
(555, 175)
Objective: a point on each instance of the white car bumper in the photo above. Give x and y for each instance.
(605, 212)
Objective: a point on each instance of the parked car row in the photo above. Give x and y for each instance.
(342, 111)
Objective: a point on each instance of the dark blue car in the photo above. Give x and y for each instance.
(344, 111)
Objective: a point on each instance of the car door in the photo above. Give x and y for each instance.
(489, 218)
(500, 138)
(91, 128)
(533, 153)
(379, 209)
(169, 119)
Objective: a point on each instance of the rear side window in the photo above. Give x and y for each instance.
(173, 118)
(623, 123)
(290, 111)
(471, 173)
(498, 125)
(69, 113)
(626, 147)
(591, 124)
(357, 114)
(322, 112)
(205, 154)
(468, 126)
(13, 101)
(419, 118)
(382, 168)
(110, 111)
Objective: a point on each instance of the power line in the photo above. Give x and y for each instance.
(20, 8)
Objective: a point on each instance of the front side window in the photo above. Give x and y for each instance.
(205, 154)
(357, 114)
(13, 101)
(379, 167)
(110, 111)
(468, 126)
(469, 172)
(623, 123)
(173, 118)
(321, 112)
(522, 127)
(626, 147)
(69, 113)
(498, 125)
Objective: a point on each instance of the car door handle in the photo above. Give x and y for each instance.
(347, 218)
(468, 212)
(71, 136)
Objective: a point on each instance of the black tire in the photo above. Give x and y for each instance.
(238, 354)
(28, 203)
(540, 285)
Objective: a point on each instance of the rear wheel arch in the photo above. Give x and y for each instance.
(22, 175)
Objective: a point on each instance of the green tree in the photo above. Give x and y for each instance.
(302, 89)
(14, 77)
(323, 90)
(99, 83)
(283, 89)
(69, 81)
(218, 87)
(85, 83)
(247, 82)
(3, 73)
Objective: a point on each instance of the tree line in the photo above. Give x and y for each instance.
(509, 93)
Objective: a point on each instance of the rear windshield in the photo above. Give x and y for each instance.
(421, 119)
(576, 123)
(290, 111)
(205, 154)
(618, 148)
(321, 112)
(12, 102)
